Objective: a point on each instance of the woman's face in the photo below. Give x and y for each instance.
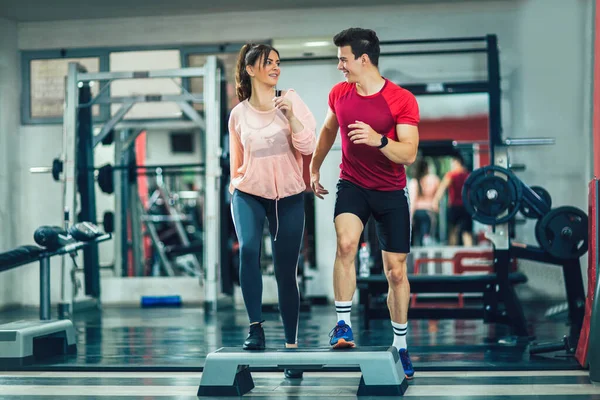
(267, 74)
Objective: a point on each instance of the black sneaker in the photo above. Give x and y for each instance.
(293, 373)
(256, 338)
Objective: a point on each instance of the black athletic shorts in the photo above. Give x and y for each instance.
(458, 216)
(389, 209)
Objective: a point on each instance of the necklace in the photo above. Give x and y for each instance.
(248, 109)
(259, 106)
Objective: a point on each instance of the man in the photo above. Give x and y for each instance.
(378, 124)
(461, 223)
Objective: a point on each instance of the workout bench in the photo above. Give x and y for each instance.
(494, 307)
(21, 342)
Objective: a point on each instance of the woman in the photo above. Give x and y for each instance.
(269, 132)
(422, 189)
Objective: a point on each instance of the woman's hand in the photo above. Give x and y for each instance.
(285, 106)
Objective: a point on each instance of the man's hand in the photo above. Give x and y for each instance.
(316, 187)
(362, 133)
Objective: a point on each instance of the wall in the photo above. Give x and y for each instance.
(551, 98)
(468, 129)
(159, 149)
(9, 153)
(540, 66)
(391, 22)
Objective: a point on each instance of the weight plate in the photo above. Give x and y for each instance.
(492, 195)
(108, 222)
(527, 211)
(57, 169)
(563, 233)
(106, 179)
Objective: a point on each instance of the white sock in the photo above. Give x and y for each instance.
(343, 309)
(400, 331)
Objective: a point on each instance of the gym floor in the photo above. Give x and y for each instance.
(159, 353)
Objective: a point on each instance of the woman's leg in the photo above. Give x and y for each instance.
(249, 218)
(422, 226)
(286, 224)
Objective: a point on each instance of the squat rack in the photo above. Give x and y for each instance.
(78, 159)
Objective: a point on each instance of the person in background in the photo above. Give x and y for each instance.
(459, 221)
(422, 189)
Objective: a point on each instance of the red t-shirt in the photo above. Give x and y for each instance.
(364, 165)
(457, 180)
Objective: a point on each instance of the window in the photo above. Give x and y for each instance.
(146, 61)
(44, 75)
(182, 142)
(47, 89)
(229, 61)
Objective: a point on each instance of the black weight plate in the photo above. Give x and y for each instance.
(57, 169)
(491, 195)
(563, 233)
(491, 191)
(108, 222)
(106, 179)
(544, 195)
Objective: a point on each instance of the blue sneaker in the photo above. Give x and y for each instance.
(409, 372)
(341, 336)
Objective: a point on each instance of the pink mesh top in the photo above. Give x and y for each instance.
(265, 156)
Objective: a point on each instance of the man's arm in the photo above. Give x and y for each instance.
(324, 143)
(403, 151)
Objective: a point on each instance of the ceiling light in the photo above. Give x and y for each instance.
(316, 44)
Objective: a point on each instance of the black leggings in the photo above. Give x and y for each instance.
(286, 225)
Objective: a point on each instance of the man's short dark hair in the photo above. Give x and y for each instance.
(361, 41)
(458, 157)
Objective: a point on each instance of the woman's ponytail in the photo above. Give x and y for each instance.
(243, 86)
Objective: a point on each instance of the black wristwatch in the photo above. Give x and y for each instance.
(384, 142)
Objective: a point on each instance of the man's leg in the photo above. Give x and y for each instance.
(467, 239)
(394, 267)
(391, 212)
(453, 235)
(466, 228)
(350, 217)
(348, 229)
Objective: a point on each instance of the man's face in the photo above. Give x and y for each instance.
(351, 67)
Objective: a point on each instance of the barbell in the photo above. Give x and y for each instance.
(105, 174)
